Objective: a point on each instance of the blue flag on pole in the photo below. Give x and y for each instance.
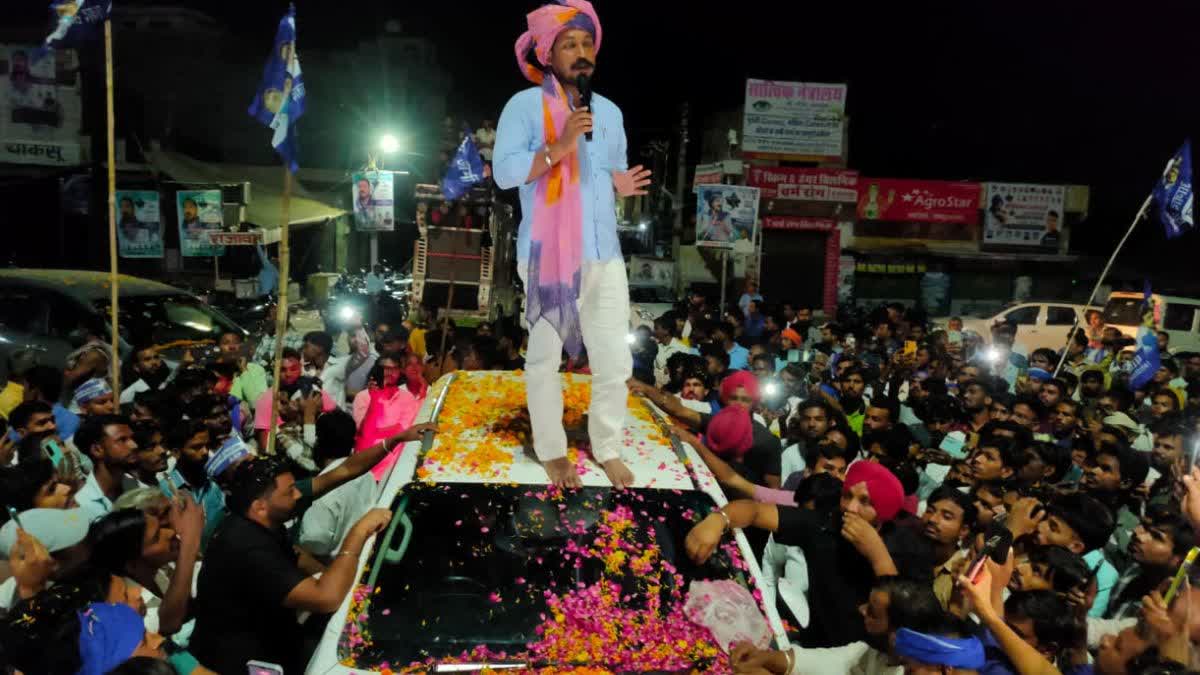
(466, 169)
(76, 21)
(1146, 359)
(279, 101)
(1174, 193)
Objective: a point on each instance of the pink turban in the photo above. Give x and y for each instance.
(887, 494)
(737, 380)
(545, 23)
(730, 433)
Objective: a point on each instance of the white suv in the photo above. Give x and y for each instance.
(484, 563)
(1039, 324)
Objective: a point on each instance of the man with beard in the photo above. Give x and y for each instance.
(146, 372)
(250, 380)
(892, 604)
(851, 385)
(1064, 421)
(250, 587)
(1157, 548)
(1167, 467)
(568, 160)
(846, 555)
(812, 419)
(189, 441)
(977, 404)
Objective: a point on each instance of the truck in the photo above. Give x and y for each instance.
(464, 256)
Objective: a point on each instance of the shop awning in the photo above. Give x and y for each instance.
(266, 188)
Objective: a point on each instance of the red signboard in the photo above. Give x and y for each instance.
(918, 201)
(798, 223)
(818, 185)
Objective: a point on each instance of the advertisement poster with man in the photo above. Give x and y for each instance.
(374, 201)
(1021, 214)
(726, 215)
(139, 224)
(199, 213)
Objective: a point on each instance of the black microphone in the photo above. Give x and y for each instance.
(585, 96)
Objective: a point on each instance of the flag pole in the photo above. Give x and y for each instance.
(113, 280)
(281, 310)
(1104, 273)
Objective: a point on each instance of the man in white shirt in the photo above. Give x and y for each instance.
(331, 370)
(669, 344)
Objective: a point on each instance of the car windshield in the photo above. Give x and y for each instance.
(654, 294)
(162, 319)
(1123, 311)
(507, 573)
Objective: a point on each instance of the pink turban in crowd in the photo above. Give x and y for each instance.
(556, 225)
(887, 494)
(730, 433)
(737, 380)
(545, 23)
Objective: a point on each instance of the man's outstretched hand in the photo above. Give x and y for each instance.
(631, 183)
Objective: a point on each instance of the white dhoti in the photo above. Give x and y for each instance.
(604, 319)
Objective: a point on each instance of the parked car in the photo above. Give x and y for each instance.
(1178, 316)
(1039, 323)
(54, 312)
(478, 545)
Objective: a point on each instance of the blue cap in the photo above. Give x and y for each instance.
(934, 650)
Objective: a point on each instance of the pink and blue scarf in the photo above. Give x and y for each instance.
(556, 241)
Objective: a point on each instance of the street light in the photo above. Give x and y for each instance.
(389, 144)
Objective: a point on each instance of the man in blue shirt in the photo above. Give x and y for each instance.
(739, 356)
(565, 176)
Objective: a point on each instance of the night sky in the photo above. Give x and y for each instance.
(1064, 92)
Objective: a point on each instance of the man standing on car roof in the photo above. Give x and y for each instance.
(566, 154)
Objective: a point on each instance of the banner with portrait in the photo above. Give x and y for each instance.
(139, 224)
(199, 213)
(1020, 214)
(726, 215)
(373, 196)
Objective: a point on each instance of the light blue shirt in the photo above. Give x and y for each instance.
(92, 500)
(268, 276)
(739, 358)
(1106, 578)
(519, 135)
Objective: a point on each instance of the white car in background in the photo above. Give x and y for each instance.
(477, 539)
(1044, 324)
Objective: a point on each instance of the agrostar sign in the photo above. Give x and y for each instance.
(919, 201)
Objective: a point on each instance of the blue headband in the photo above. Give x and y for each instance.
(91, 390)
(108, 635)
(233, 449)
(934, 650)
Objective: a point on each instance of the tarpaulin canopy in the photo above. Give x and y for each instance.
(266, 188)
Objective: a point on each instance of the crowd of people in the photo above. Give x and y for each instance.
(929, 500)
(870, 460)
(150, 530)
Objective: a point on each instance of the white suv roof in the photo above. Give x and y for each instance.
(462, 453)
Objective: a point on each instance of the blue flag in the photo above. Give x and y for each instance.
(279, 101)
(1174, 193)
(466, 169)
(77, 21)
(1146, 359)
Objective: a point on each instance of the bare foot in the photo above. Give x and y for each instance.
(562, 473)
(618, 474)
